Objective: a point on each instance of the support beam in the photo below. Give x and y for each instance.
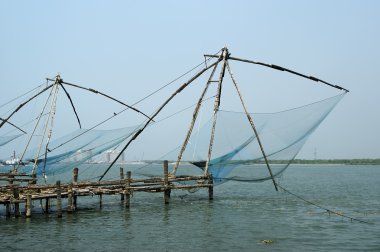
(253, 126)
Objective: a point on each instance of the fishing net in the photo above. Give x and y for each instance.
(6, 139)
(236, 154)
(78, 147)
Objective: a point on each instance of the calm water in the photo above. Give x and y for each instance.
(239, 217)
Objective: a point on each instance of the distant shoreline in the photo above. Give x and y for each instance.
(338, 161)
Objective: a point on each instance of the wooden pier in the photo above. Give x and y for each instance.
(23, 189)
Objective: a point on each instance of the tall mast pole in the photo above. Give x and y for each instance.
(225, 56)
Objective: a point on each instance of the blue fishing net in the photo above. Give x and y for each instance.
(236, 154)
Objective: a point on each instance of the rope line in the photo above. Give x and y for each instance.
(323, 208)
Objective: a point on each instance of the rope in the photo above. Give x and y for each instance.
(323, 208)
(21, 96)
(171, 82)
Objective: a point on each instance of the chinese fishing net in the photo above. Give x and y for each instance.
(79, 147)
(236, 154)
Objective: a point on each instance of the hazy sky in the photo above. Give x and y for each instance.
(130, 48)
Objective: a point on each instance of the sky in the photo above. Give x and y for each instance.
(128, 49)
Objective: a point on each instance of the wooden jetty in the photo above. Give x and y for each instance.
(23, 189)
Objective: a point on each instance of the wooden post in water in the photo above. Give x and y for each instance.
(211, 187)
(16, 195)
(47, 206)
(121, 178)
(59, 199)
(127, 185)
(75, 181)
(28, 206)
(166, 183)
(8, 210)
(34, 179)
(100, 200)
(70, 206)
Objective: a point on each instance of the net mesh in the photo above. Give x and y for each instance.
(236, 154)
(6, 139)
(79, 147)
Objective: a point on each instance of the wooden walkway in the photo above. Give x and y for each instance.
(23, 189)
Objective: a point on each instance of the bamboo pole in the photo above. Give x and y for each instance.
(225, 55)
(253, 127)
(105, 95)
(289, 71)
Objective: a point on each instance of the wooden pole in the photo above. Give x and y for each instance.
(127, 185)
(70, 206)
(75, 181)
(16, 195)
(8, 210)
(47, 206)
(34, 179)
(28, 211)
(253, 127)
(166, 183)
(121, 178)
(211, 187)
(100, 200)
(59, 199)
(225, 55)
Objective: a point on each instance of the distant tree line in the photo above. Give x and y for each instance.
(363, 161)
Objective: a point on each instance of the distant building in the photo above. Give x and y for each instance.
(110, 156)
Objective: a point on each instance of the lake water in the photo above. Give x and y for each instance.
(238, 219)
